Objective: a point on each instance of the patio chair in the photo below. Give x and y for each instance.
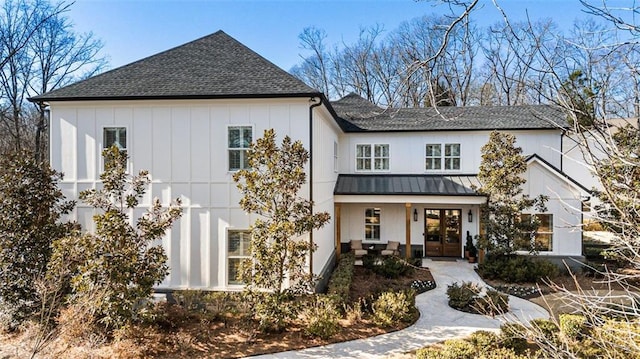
(392, 249)
(356, 247)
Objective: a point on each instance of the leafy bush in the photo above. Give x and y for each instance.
(501, 353)
(341, 278)
(492, 303)
(429, 353)
(458, 349)
(621, 339)
(393, 307)
(114, 270)
(31, 206)
(322, 317)
(546, 327)
(512, 337)
(461, 297)
(517, 269)
(389, 267)
(273, 314)
(484, 340)
(573, 326)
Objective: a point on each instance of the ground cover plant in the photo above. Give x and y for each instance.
(468, 297)
(224, 324)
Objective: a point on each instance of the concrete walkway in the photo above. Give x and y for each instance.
(437, 320)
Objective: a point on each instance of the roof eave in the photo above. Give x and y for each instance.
(173, 97)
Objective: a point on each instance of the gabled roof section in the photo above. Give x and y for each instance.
(535, 158)
(418, 185)
(359, 115)
(214, 66)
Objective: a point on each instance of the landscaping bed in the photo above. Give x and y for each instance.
(220, 325)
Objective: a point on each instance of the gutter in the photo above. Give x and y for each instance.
(314, 104)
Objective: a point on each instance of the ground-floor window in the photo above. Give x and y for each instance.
(372, 224)
(237, 251)
(543, 239)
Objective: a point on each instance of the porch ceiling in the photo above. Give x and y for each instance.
(407, 185)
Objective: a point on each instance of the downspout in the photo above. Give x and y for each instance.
(313, 99)
(562, 151)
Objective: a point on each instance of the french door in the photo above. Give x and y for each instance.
(442, 232)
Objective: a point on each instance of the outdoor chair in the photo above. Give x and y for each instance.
(392, 249)
(356, 247)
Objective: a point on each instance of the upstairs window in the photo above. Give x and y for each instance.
(433, 160)
(240, 138)
(114, 136)
(452, 156)
(372, 157)
(436, 159)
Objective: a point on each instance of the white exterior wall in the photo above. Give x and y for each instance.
(393, 220)
(183, 144)
(564, 203)
(407, 149)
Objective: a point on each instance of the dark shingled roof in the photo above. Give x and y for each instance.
(425, 185)
(359, 115)
(215, 66)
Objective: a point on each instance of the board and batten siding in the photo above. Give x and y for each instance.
(183, 144)
(407, 149)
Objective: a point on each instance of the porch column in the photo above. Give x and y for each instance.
(407, 218)
(337, 224)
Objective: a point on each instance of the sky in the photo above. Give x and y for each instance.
(134, 29)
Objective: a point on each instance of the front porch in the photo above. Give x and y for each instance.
(431, 216)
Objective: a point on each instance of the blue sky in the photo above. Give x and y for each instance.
(135, 29)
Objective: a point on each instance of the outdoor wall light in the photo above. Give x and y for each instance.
(415, 215)
(470, 216)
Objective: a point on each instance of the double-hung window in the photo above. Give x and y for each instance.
(543, 238)
(239, 138)
(436, 159)
(372, 157)
(372, 224)
(237, 251)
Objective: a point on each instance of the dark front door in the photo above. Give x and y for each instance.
(442, 232)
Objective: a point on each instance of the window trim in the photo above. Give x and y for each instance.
(379, 225)
(227, 256)
(443, 158)
(552, 227)
(101, 146)
(229, 126)
(372, 158)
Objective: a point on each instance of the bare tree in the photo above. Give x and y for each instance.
(38, 52)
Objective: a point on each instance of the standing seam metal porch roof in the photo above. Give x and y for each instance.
(424, 185)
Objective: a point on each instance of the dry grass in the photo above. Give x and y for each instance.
(181, 334)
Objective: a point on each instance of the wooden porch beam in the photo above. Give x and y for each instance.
(407, 219)
(337, 224)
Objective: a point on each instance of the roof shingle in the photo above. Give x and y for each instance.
(359, 115)
(215, 66)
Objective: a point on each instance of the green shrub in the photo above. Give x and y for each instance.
(501, 353)
(573, 326)
(393, 307)
(458, 349)
(429, 353)
(546, 327)
(484, 340)
(389, 267)
(517, 269)
(341, 278)
(273, 314)
(462, 296)
(492, 303)
(512, 337)
(322, 317)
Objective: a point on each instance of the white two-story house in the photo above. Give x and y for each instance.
(189, 114)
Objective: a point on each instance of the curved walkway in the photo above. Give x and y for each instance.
(437, 321)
